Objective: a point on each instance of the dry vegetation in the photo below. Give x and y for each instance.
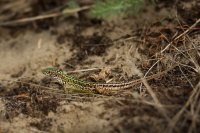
(35, 34)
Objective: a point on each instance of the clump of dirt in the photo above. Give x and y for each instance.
(188, 11)
(86, 45)
(29, 101)
(44, 125)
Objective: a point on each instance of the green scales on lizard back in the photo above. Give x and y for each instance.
(73, 83)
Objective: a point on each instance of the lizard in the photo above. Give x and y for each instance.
(72, 83)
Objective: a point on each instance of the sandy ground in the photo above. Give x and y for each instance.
(99, 51)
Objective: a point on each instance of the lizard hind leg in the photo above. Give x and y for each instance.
(66, 89)
(103, 91)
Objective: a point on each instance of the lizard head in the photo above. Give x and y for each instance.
(52, 72)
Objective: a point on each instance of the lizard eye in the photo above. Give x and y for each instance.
(49, 73)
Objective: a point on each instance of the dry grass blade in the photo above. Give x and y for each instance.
(69, 11)
(185, 32)
(177, 117)
(32, 84)
(160, 107)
